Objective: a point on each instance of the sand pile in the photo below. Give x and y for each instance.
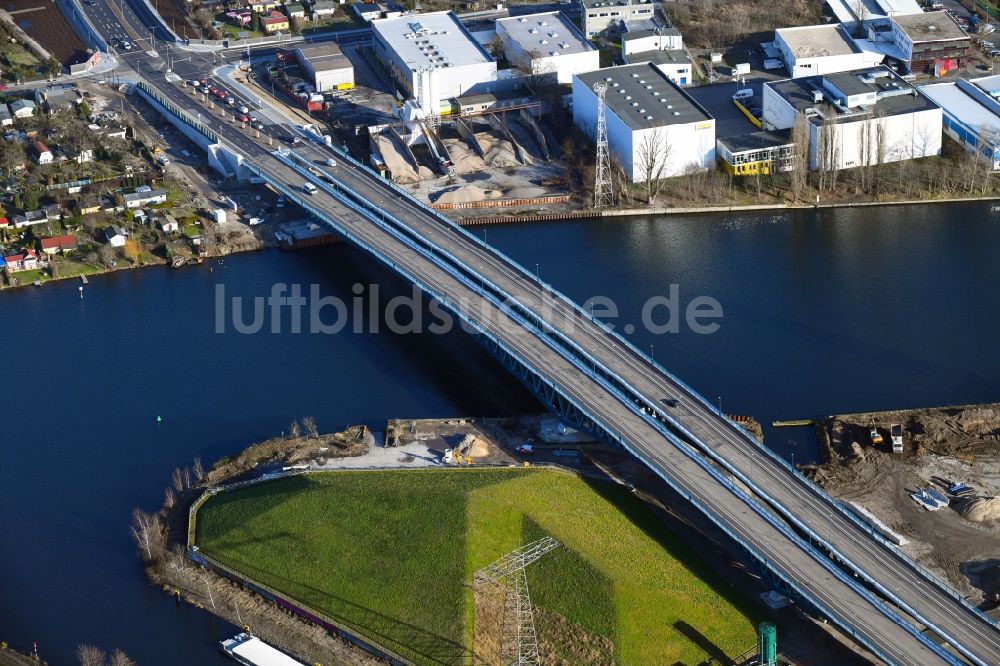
(473, 446)
(982, 509)
(464, 159)
(524, 192)
(402, 170)
(499, 152)
(461, 194)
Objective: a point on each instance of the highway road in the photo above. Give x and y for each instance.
(786, 492)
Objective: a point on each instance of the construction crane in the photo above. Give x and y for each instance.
(518, 639)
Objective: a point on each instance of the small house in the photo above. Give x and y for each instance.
(144, 197)
(26, 261)
(115, 235)
(262, 6)
(41, 153)
(6, 119)
(295, 10)
(323, 9)
(58, 244)
(22, 108)
(274, 22)
(169, 225)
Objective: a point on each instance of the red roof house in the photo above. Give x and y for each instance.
(58, 244)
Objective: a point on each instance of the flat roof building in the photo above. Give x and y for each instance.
(814, 50)
(654, 127)
(329, 68)
(433, 58)
(638, 37)
(547, 45)
(600, 16)
(756, 153)
(675, 64)
(929, 42)
(856, 118)
(971, 114)
(852, 13)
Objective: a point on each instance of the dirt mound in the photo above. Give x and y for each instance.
(461, 194)
(981, 509)
(474, 447)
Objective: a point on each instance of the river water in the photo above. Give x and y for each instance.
(823, 312)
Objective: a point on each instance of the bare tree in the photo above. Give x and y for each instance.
(294, 431)
(119, 658)
(800, 156)
(169, 499)
(147, 529)
(177, 480)
(187, 478)
(652, 158)
(309, 423)
(90, 655)
(198, 469)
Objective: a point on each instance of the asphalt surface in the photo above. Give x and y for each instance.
(787, 494)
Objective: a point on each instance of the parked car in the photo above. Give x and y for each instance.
(745, 93)
(988, 28)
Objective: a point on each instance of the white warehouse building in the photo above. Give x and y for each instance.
(653, 125)
(433, 58)
(548, 45)
(329, 68)
(971, 114)
(815, 50)
(857, 118)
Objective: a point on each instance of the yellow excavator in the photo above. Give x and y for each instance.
(873, 434)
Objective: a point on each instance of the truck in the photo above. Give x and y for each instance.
(896, 432)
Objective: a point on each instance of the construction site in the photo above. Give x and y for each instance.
(931, 478)
(498, 154)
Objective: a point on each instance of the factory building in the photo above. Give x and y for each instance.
(856, 118)
(815, 50)
(928, 43)
(600, 16)
(329, 68)
(971, 114)
(653, 125)
(433, 58)
(548, 45)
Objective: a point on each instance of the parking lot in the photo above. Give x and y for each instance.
(717, 99)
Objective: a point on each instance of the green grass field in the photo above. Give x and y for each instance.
(392, 554)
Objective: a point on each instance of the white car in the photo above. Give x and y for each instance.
(988, 28)
(745, 93)
(330, 162)
(230, 101)
(244, 109)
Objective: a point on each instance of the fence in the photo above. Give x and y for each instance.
(500, 203)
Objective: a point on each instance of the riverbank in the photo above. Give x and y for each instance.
(941, 447)
(580, 214)
(519, 217)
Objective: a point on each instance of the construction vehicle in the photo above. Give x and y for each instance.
(896, 433)
(873, 434)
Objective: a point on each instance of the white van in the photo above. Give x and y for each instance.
(745, 93)
(309, 188)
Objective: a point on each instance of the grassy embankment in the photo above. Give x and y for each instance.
(392, 554)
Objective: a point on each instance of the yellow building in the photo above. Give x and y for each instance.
(274, 22)
(756, 153)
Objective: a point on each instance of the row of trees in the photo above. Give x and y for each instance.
(91, 655)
